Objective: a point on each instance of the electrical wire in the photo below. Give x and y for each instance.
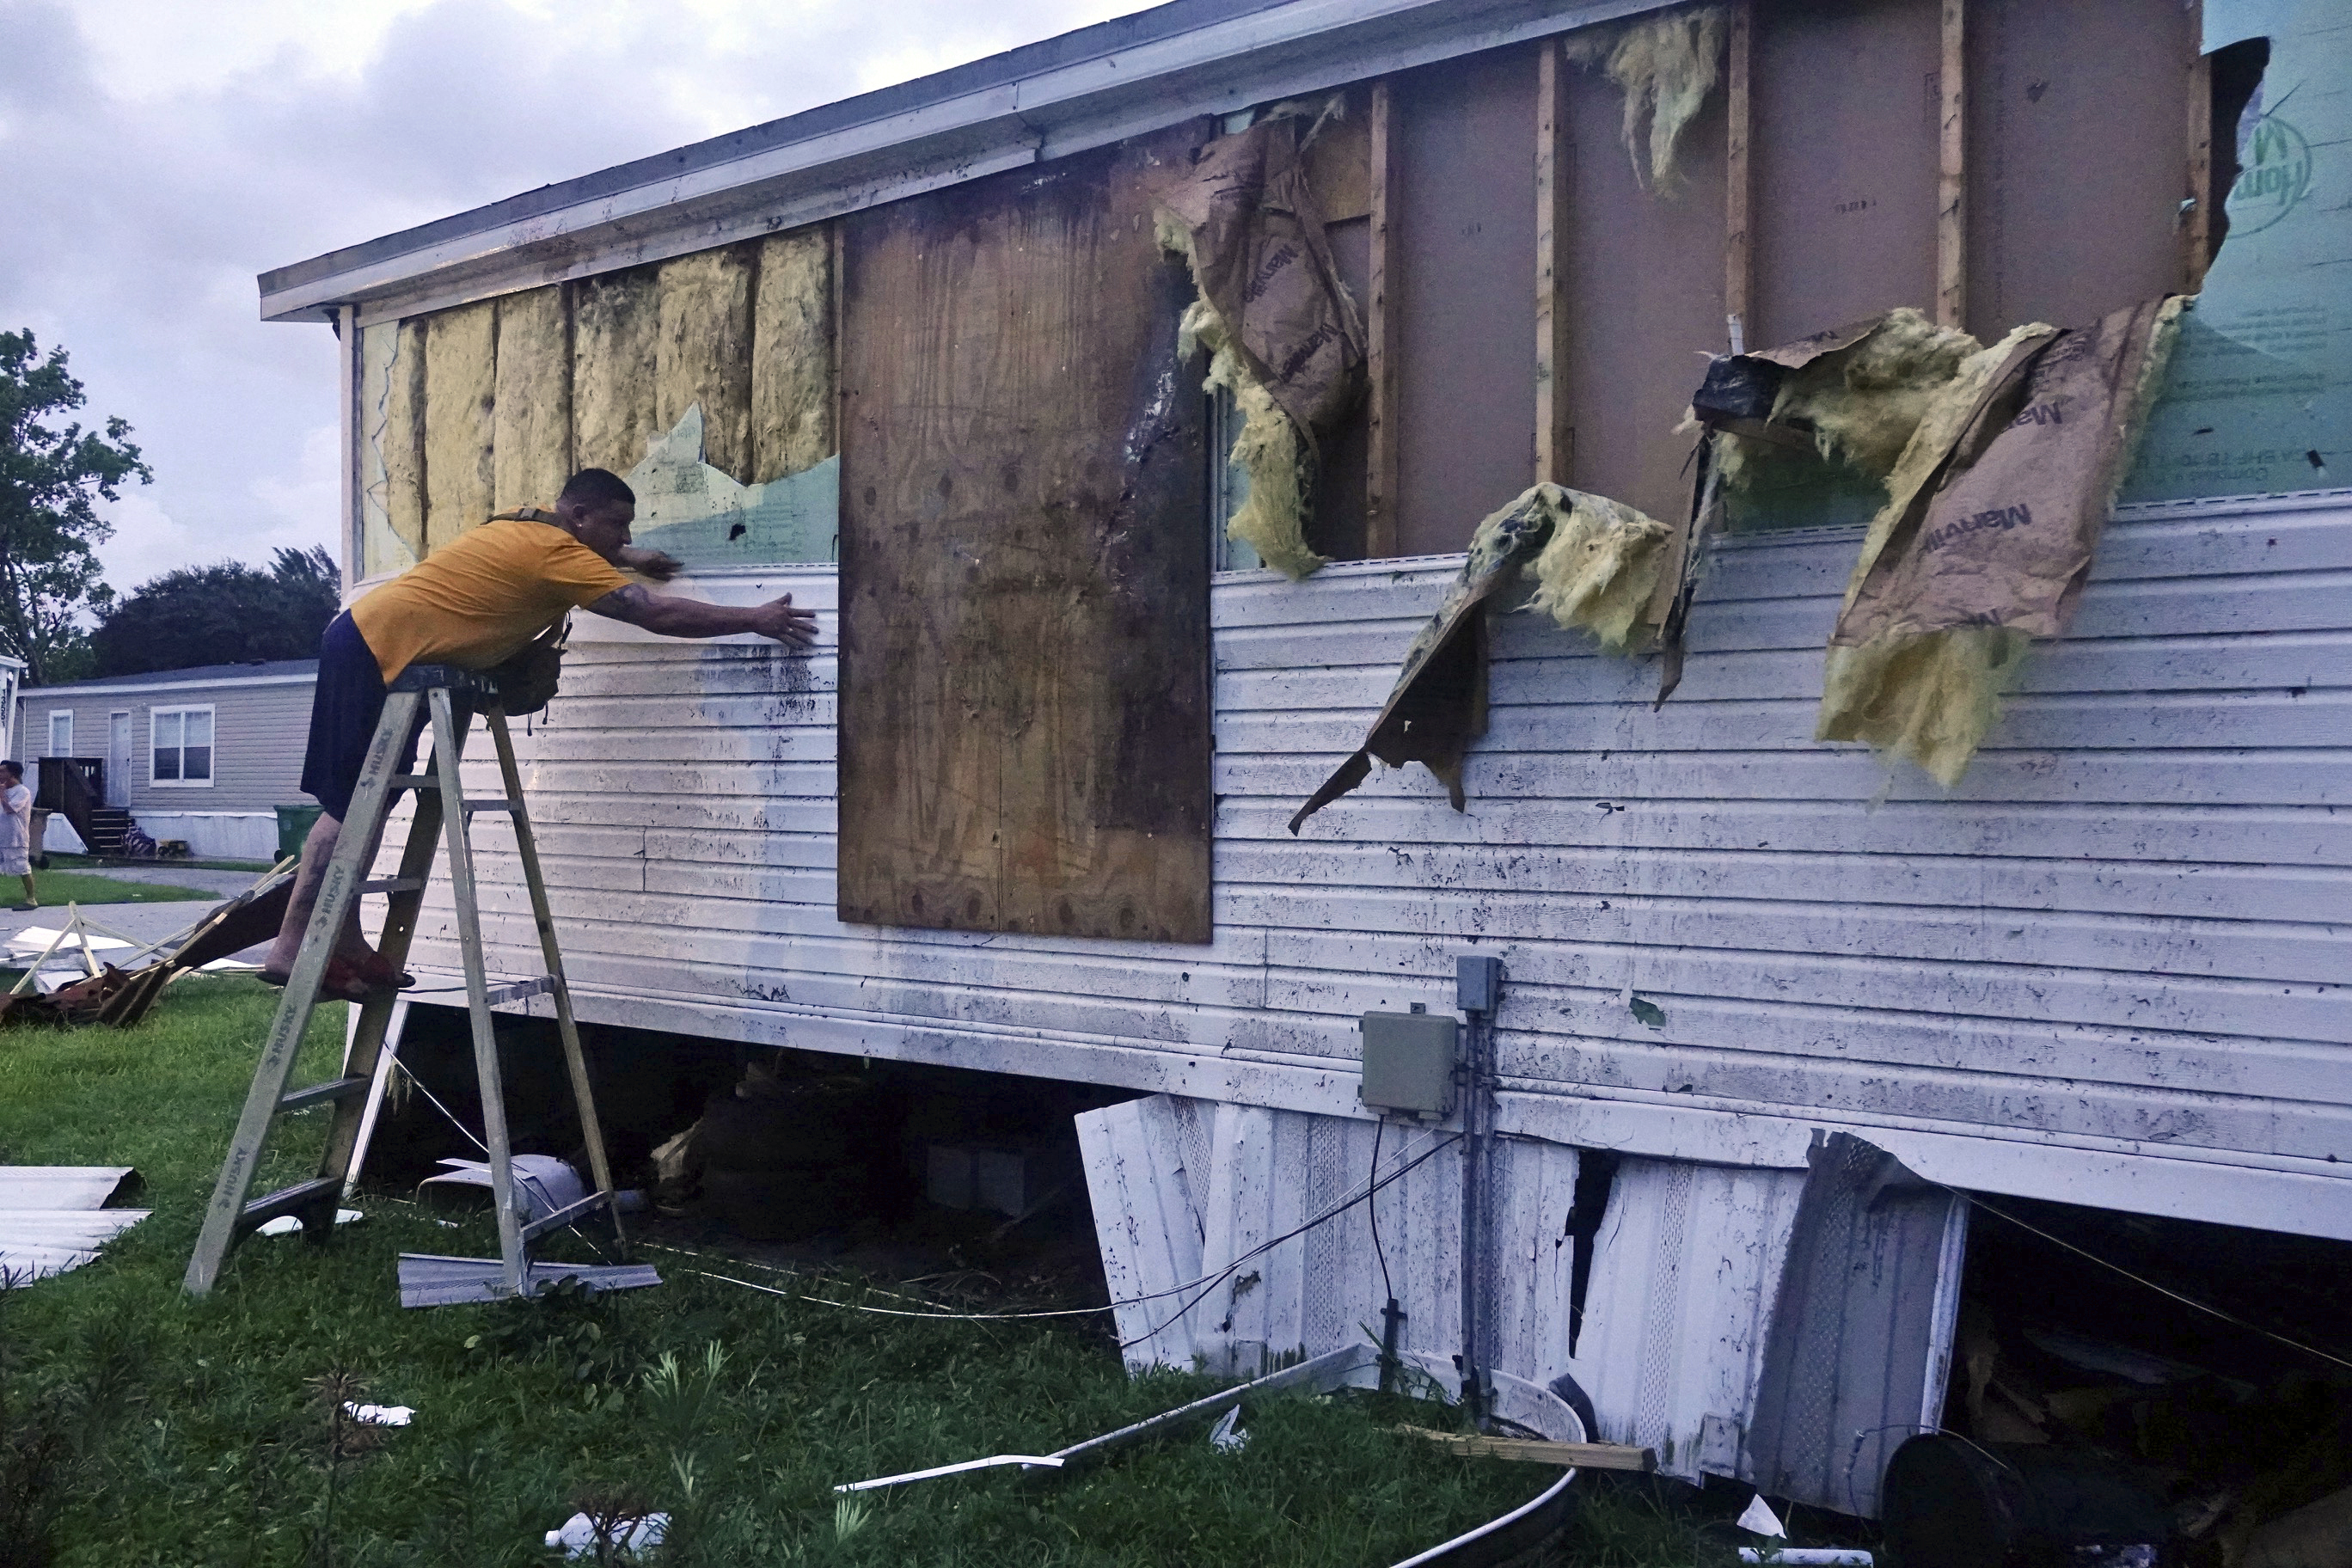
(1205, 1283)
(1263, 1248)
(2207, 1307)
(1388, 1291)
(410, 1074)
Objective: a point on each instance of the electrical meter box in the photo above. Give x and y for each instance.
(1409, 1063)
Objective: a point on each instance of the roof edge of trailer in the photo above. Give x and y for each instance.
(1081, 89)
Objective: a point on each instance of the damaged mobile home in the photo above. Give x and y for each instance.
(933, 360)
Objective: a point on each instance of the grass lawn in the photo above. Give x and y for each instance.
(59, 889)
(80, 862)
(204, 1440)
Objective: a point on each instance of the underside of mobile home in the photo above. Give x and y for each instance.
(917, 359)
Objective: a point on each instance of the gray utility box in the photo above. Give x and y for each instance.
(1409, 1063)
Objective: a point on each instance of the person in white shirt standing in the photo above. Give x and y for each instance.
(16, 830)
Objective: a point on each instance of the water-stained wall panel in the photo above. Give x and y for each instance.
(1463, 207)
(2075, 159)
(1846, 118)
(1024, 732)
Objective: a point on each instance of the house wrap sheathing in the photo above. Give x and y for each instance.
(2109, 964)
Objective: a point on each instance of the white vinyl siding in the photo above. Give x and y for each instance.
(180, 747)
(2121, 942)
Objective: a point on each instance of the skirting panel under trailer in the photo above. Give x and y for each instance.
(1729, 1321)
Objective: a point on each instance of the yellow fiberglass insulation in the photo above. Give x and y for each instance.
(1665, 65)
(1597, 569)
(1271, 451)
(1864, 403)
(1929, 696)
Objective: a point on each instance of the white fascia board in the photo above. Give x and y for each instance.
(1281, 51)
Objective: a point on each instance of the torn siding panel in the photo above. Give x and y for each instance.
(792, 354)
(615, 326)
(1685, 1271)
(532, 449)
(703, 350)
(461, 348)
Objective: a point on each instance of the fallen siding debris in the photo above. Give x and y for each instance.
(1283, 335)
(427, 1279)
(1665, 65)
(1597, 566)
(54, 1217)
(1995, 510)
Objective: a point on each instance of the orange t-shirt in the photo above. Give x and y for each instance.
(475, 601)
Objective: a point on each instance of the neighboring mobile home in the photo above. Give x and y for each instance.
(912, 358)
(205, 756)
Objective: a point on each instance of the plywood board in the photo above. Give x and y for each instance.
(460, 411)
(613, 322)
(1463, 211)
(792, 354)
(702, 351)
(1024, 729)
(1847, 115)
(1644, 298)
(2074, 163)
(531, 451)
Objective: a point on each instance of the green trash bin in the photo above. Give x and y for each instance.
(293, 826)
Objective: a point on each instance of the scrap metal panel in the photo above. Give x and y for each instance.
(1685, 1271)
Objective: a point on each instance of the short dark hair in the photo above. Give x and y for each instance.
(597, 487)
(14, 766)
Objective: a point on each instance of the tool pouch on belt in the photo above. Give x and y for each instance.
(526, 681)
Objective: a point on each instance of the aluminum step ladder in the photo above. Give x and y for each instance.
(451, 695)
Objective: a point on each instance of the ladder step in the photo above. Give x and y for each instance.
(290, 1200)
(414, 781)
(491, 804)
(320, 1093)
(519, 990)
(390, 885)
(568, 1214)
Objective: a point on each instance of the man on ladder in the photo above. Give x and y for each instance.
(430, 646)
(474, 603)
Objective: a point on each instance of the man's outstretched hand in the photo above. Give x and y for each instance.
(779, 620)
(654, 564)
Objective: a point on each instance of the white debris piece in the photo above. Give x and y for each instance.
(379, 1415)
(578, 1538)
(288, 1225)
(1853, 1556)
(1226, 1436)
(1761, 1518)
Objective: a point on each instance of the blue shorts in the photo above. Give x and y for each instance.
(344, 710)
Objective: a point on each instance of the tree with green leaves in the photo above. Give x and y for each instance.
(227, 613)
(51, 478)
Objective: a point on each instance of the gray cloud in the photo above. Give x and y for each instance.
(139, 218)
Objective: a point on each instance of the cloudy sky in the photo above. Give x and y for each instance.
(156, 154)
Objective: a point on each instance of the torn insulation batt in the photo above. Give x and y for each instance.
(1596, 564)
(1665, 65)
(1282, 333)
(1993, 515)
